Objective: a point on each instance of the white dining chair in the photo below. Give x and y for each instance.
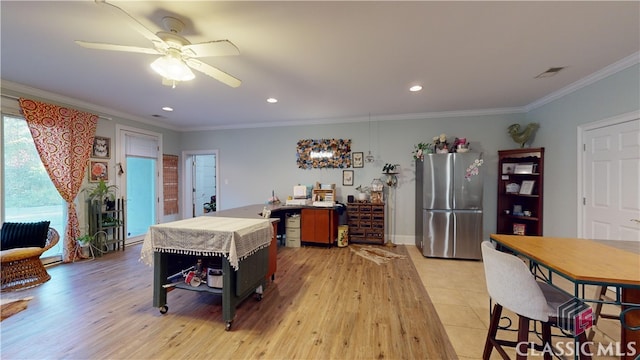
(512, 286)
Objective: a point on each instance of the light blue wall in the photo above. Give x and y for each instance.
(253, 162)
(559, 120)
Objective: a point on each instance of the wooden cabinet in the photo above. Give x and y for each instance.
(319, 225)
(520, 191)
(107, 226)
(366, 222)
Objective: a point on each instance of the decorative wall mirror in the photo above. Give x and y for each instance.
(324, 153)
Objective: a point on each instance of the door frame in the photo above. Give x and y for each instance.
(120, 160)
(186, 179)
(582, 130)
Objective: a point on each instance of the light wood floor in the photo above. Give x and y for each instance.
(324, 304)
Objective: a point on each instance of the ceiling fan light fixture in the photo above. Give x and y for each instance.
(172, 67)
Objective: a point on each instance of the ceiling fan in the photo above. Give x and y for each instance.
(177, 54)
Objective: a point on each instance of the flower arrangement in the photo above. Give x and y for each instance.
(421, 149)
(441, 144)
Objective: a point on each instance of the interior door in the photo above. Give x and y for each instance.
(138, 178)
(611, 182)
(201, 169)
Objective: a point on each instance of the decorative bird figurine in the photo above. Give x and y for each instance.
(522, 137)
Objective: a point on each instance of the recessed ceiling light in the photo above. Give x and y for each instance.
(415, 88)
(272, 100)
(167, 108)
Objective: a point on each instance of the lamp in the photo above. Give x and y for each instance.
(172, 67)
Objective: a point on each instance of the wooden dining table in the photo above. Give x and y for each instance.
(585, 262)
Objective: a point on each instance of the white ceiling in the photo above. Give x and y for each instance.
(324, 61)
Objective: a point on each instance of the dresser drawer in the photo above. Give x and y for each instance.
(293, 233)
(293, 222)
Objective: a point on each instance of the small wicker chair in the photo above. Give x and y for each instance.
(21, 268)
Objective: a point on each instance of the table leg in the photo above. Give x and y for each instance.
(159, 279)
(630, 338)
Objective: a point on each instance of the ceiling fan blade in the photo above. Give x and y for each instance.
(211, 48)
(113, 47)
(135, 24)
(213, 72)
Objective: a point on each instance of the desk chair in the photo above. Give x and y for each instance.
(511, 285)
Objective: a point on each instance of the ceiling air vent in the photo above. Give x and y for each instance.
(549, 73)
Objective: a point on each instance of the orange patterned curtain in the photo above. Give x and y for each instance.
(63, 138)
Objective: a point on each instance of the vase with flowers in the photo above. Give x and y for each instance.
(421, 149)
(441, 144)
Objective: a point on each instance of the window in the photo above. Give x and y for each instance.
(170, 183)
(28, 193)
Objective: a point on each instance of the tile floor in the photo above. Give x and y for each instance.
(458, 291)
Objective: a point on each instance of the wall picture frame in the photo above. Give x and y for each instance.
(98, 170)
(101, 147)
(519, 229)
(523, 169)
(347, 177)
(508, 168)
(527, 187)
(358, 159)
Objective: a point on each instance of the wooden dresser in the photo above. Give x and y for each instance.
(366, 222)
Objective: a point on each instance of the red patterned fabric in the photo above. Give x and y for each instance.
(63, 138)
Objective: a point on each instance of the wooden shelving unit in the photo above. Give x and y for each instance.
(319, 194)
(107, 226)
(520, 212)
(366, 222)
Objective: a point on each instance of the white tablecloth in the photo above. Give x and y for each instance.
(234, 238)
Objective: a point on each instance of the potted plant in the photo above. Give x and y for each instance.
(390, 168)
(363, 192)
(85, 241)
(102, 192)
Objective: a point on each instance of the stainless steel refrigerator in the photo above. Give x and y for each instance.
(449, 206)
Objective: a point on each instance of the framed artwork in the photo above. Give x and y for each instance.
(508, 168)
(358, 159)
(517, 210)
(101, 147)
(523, 169)
(527, 187)
(519, 229)
(98, 170)
(347, 177)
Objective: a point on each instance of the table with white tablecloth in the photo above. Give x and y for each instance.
(243, 245)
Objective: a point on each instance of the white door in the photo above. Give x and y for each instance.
(138, 178)
(611, 176)
(200, 178)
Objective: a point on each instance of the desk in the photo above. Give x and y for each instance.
(585, 262)
(243, 245)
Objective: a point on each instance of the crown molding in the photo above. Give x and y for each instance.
(11, 89)
(620, 65)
